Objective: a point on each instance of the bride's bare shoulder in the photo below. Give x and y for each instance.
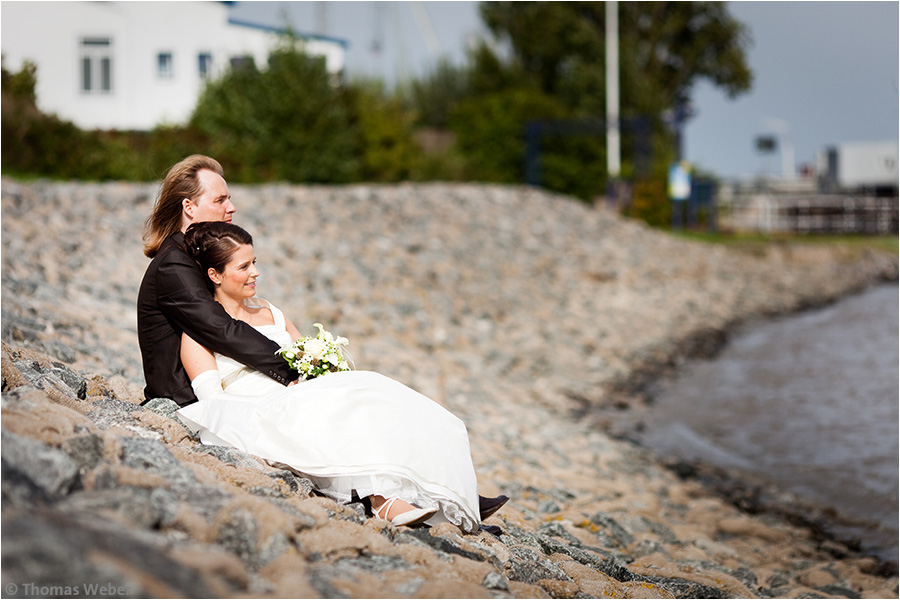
(261, 311)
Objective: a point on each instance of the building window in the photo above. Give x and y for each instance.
(242, 62)
(164, 67)
(96, 65)
(204, 65)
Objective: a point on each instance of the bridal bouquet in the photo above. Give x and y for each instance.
(316, 356)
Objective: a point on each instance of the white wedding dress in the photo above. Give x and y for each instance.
(355, 431)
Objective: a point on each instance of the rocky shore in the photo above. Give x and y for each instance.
(528, 315)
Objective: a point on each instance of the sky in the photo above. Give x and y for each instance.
(825, 73)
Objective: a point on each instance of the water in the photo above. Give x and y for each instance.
(810, 403)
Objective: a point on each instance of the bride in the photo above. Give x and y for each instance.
(350, 432)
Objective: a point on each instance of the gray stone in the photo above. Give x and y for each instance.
(595, 558)
(556, 529)
(237, 533)
(683, 588)
(495, 581)
(320, 579)
(647, 547)
(134, 504)
(359, 508)
(85, 450)
(233, 456)
(34, 471)
(165, 407)
(778, 579)
(112, 412)
(441, 543)
(661, 530)
(63, 380)
(616, 531)
(52, 550)
(166, 504)
(74, 380)
(372, 564)
(20, 397)
(153, 456)
(516, 535)
(745, 576)
(839, 591)
(18, 328)
(615, 569)
(548, 506)
(531, 571)
(409, 589)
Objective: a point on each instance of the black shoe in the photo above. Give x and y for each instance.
(488, 506)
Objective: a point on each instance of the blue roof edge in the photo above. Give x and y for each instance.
(306, 36)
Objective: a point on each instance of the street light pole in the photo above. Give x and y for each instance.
(613, 137)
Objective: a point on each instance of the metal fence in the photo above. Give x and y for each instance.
(825, 214)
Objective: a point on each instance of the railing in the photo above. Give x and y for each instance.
(826, 214)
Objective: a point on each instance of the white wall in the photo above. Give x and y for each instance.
(49, 34)
(867, 164)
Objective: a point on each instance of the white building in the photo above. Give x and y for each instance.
(856, 166)
(134, 65)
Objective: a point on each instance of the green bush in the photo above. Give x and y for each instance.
(650, 202)
(491, 137)
(34, 143)
(434, 96)
(288, 122)
(38, 144)
(385, 144)
(490, 132)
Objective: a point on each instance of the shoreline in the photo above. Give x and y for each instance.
(468, 294)
(756, 496)
(749, 492)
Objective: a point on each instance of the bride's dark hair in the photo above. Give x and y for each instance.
(212, 244)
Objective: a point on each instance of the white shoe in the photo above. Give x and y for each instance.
(409, 518)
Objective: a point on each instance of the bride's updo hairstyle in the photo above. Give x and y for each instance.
(213, 243)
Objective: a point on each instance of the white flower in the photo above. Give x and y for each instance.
(323, 335)
(316, 348)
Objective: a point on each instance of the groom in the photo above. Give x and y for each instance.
(173, 297)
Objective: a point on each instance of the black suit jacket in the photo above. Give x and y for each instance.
(173, 298)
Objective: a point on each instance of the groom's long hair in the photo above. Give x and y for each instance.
(181, 182)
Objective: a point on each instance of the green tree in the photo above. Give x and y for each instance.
(557, 50)
(35, 143)
(490, 129)
(286, 122)
(665, 48)
(20, 86)
(435, 95)
(386, 144)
